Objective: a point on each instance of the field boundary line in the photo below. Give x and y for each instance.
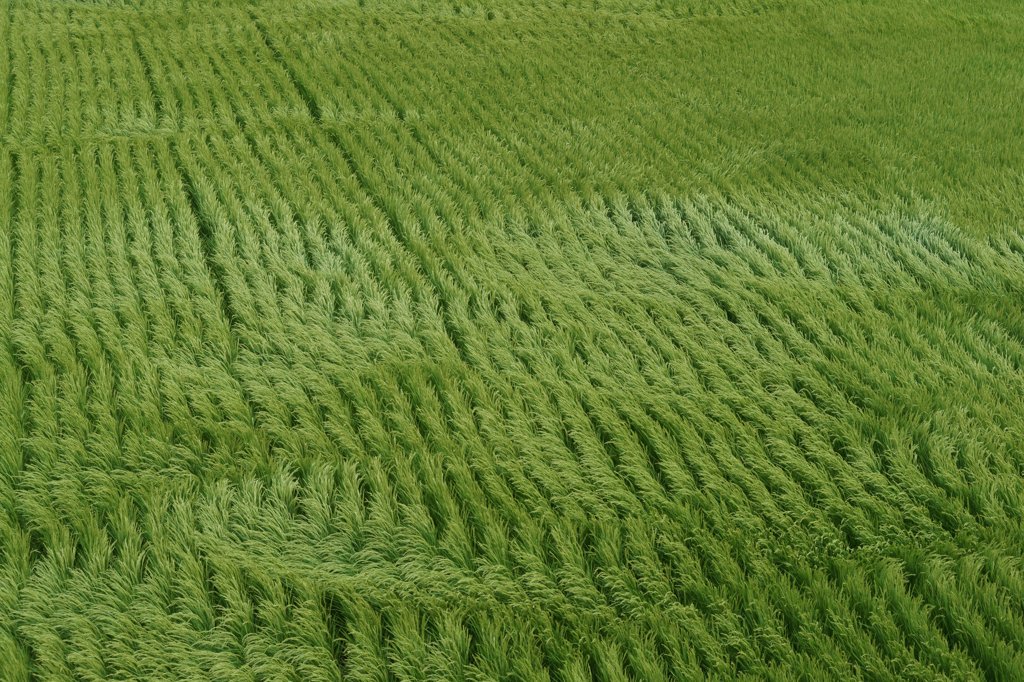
(203, 233)
(9, 75)
(297, 83)
(147, 70)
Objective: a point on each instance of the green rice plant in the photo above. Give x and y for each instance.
(364, 340)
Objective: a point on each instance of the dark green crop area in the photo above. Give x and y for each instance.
(511, 340)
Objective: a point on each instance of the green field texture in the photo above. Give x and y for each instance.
(552, 340)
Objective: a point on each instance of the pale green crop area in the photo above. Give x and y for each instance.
(552, 340)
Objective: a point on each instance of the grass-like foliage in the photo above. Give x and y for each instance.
(533, 339)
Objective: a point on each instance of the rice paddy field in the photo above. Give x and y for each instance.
(519, 340)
